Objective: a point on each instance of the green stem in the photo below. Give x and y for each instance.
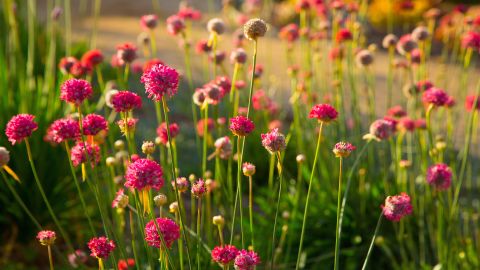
(252, 77)
(50, 259)
(199, 222)
(337, 231)
(373, 241)
(280, 174)
(250, 206)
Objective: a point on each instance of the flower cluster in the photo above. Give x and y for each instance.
(64, 129)
(20, 127)
(144, 173)
(396, 207)
(84, 152)
(169, 230)
(46, 237)
(160, 80)
(101, 247)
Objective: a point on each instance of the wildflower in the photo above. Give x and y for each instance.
(182, 184)
(202, 46)
(301, 158)
(160, 80)
(335, 53)
(435, 96)
(406, 124)
(406, 44)
(216, 25)
(75, 91)
(248, 169)
(420, 33)
(471, 40)
(224, 255)
(148, 147)
(389, 41)
(218, 221)
(126, 264)
(472, 102)
(175, 25)
(241, 126)
(364, 58)
(173, 207)
(290, 32)
(168, 228)
(66, 63)
(343, 35)
(254, 28)
(381, 129)
(224, 84)
(100, 247)
(77, 258)
(125, 101)
(450, 102)
(92, 58)
(325, 113)
(150, 63)
(343, 149)
(20, 127)
(93, 124)
(149, 21)
(162, 132)
(160, 200)
(223, 147)
(201, 126)
(246, 260)
(199, 188)
(273, 141)
(260, 100)
(129, 125)
(213, 94)
(120, 200)
(64, 129)
(84, 152)
(420, 124)
(144, 173)
(126, 53)
(422, 86)
(302, 5)
(56, 13)
(416, 56)
(440, 176)
(396, 111)
(46, 237)
(218, 57)
(188, 13)
(396, 207)
(199, 96)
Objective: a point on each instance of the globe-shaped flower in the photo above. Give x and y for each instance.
(241, 126)
(46, 237)
(130, 125)
(125, 101)
(100, 247)
(93, 124)
(20, 127)
(144, 173)
(273, 141)
(120, 200)
(396, 111)
(289, 33)
(84, 152)
(75, 91)
(435, 96)
(224, 255)
(406, 124)
(396, 207)
(216, 26)
(162, 132)
(440, 176)
(92, 58)
(182, 184)
(175, 25)
(160, 80)
(168, 228)
(343, 149)
(149, 21)
(126, 53)
(188, 13)
(254, 28)
(324, 113)
(246, 260)
(406, 44)
(381, 129)
(389, 41)
(199, 188)
(248, 169)
(343, 35)
(64, 129)
(223, 147)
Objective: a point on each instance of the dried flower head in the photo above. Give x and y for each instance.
(420, 33)
(182, 184)
(238, 56)
(4, 156)
(406, 44)
(160, 80)
(241, 126)
(396, 207)
(439, 176)
(144, 173)
(364, 58)
(100, 247)
(254, 28)
(216, 25)
(75, 91)
(149, 21)
(160, 200)
(148, 147)
(389, 41)
(46, 238)
(168, 228)
(218, 221)
(343, 149)
(199, 188)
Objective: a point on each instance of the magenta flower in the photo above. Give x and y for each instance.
(343, 35)
(75, 91)
(46, 237)
(160, 80)
(77, 258)
(64, 129)
(120, 200)
(382, 129)
(82, 152)
(182, 184)
(469, 103)
(260, 100)
(92, 58)
(126, 53)
(273, 141)
(149, 21)
(224, 255)
(471, 40)
(248, 169)
(199, 188)
(422, 86)
(406, 44)
(125, 101)
(175, 25)
(213, 94)
(246, 260)
(188, 13)
(343, 149)
(396, 207)
(324, 113)
(406, 124)
(420, 124)
(168, 228)
(440, 176)
(100, 247)
(93, 124)
(20, 127)
(144, 173)
(289, 33)
(66, 63)
(224, 84)
(162, 132)
(396, 111)
(435, 96)
(241, 126)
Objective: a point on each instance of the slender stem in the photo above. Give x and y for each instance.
(50, 259)
(337, 231)
(308, 195)
(220, 235)
(429, 126)
(250, 206)
(239, 182)
(205, 140)
(280, 174)
(373, 241)
(252, 77)
(100, 264)
(199, 235)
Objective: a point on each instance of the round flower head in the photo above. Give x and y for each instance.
(93, 124)
(126, 264)
(389, 41)
(168, 228)
(199, 188)
(223, 147)
(120, 200)
(213, 95)
(162, 132)
(188, 13)
(420, 33)
(160, 200)
(440, 176)
(290, 32)
(66, 63)
(75, 91)
(46, 237)
(64, 129)
(149, 21)
(324, 113)
(202, 46)
(471, 40)
(125, 101)
(144, 173)
(100, 247)
(396, 111)
(381, 129)
(92, 58)
(129, 125)
(246, 260)
(20, 127)
(254, 28)
(420, 124)
(343, 35)
(406, 124)
(422, 86)
(77, 258)
(218, 220)
(218, 57)
(216, 25)
(4, 156)
(199, 96)
(150, 63)
(364, 58)
(273, 141)
(406, 44)
(109, 97)
(182, 184)
(435, 96)
(201, 126)
(224, 255)
(175, 25)
(126, 53)
(83, 152)
(472, 102)
(224, 84)
(248, 169)
(343, 149)
(160, 80)
(148, 147)
(241, 126)
(396, 207)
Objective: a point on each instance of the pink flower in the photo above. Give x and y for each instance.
(248, 169)
(160, 80)
(199, 188)
(406, 44)
(175, 25)
(125, 101)
(126, 53)
(224, 84)
(152, 62)
(188, 13)
(469, 102)
(273, 141)
(343, 149)
(168, 228)
(260, 100)
(224, 254)
(66, 63)
(162, 132)
(440, 176)
(435, 96)
(420, 124)
(201, 126)
(64, 129)
(100, 247)
(126, 264)
(20, 127)
(213, 95)
(93, 124)
(131, 123)
(182, 184)
(120, 200)
(246, 260)
(81, 153)
(77, 258)
(382, 129)
(406, 123)
(471, 40)
(202, 47)
(46, 237)
(422, 86)
(75, 91)
(92, 58)
(290, 32)
(396, 111)
(144, 173)
(324, 113)
(149, 21)
(223, 147)
(241, 126)
(343, 35)
(396, 207)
